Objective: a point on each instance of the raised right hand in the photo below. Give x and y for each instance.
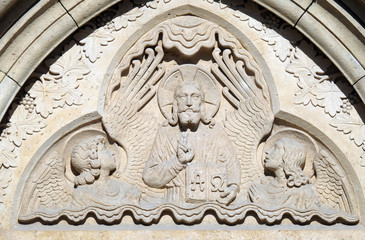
(185, 152)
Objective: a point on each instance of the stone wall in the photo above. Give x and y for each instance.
(182, 119)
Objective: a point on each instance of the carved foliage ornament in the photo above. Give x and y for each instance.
(59, 87)
(196, 152)
(302, 60)
(97, 34)
(322, 90)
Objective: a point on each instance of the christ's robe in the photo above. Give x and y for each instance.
(214, 161)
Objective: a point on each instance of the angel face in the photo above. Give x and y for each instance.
(106, 158)
(274, 156)
(189, 100)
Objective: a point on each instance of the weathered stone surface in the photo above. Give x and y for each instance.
(175, 114)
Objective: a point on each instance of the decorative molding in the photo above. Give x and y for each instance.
(250, 13)
(5, 179)
(57, 88)
(281, 40)
(8, 156)
(22, 124)
(301, 60)
(348, 124)
(183, 157)
(184, 167)
(318, 88)
(92, 45)
(122, 21)
(154, 4)
(99, 31)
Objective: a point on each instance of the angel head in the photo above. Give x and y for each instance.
(188, 105)
(287, 158)
(91, 159)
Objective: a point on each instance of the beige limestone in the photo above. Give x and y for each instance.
(29, 34)
(173, 234)
(18, 26)
(290, 11)
(96, 72)
(303, 4)
(322, 21)
(17, 8)
(7, 91)
(83, 11)
(360, 87)
(51, 36)
(2, 76)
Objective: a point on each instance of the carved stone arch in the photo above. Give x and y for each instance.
(327, 25)
(192, 9)
(331, 151)
(70, 16)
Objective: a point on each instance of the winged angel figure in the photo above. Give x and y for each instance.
(94, 189)
(288, 189)
(153, 167)
(52, 193)
(127, 125)
(252, 118)
(173, 165)
(302, 180)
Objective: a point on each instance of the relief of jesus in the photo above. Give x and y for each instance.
(192, 156)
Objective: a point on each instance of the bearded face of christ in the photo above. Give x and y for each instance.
(189, 100)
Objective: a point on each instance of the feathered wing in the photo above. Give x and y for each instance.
(332, 184)
(245, 127)
(50, 189)
(123, 121)
(252, 118)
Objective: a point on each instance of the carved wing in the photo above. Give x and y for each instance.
(253, 117)
(50, 188)
(124, 122)
(331, 183)
(246, 127)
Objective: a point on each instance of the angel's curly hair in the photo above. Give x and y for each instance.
(173, 120)
(294, 160)
(84, 159)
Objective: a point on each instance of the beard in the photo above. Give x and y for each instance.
(189, 117)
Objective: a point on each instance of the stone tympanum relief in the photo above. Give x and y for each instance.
(300, 175)
(185, 114)
(319, 84)
(186, 158)
(94, 164)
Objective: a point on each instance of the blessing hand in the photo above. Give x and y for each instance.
(229, 195)
(185, 152)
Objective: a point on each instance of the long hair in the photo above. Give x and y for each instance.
(173, 120)
(294, 160)
(85, 160)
